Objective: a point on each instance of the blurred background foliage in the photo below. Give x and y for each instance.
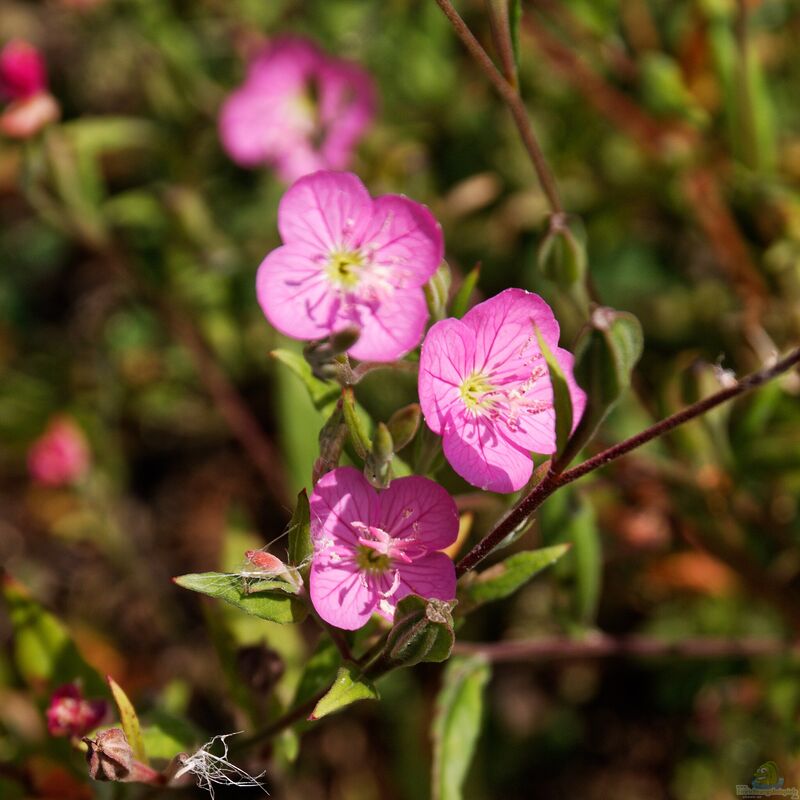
(129, 243)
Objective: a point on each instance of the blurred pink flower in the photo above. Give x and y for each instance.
(23, 81)
(22, 71)
(60, 455)
(484, 387)
(349, 260)
(373, 549)
(298, 110)
(70, 714)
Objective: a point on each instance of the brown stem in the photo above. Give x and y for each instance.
(602, 646)
(554, 480)
(501, 32)
(512, 99)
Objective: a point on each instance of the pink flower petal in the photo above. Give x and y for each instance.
(340, 595)
(504, 328)
(295, 294)
(249, 126)
(341, 497)
(417, 507)
(447, 358)
(324, 212)
(391, 328)
(404, 237)
(431, 577)
(477, 452)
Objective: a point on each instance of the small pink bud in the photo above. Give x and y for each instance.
(60, 455)
(70, 714)
(24, 118)
(22, 71)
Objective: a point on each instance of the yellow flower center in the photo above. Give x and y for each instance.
(369, 560)
(476, 392)
(344, 267)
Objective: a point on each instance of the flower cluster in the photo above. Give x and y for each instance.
(23, 82)
(298, 110)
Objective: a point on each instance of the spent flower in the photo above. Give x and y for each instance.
(372, 549)
(350, 261)
(298, 110)
(485, 388)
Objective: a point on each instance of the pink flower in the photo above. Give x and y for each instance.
(69, 714)
(484, 386)
(23, 80)
(22, 71)
(60, 455)
(349, 260)
(298, 110)
(371, 550)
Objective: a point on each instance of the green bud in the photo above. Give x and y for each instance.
(422, 631)
(605, 355)
(355, 425)
(326, 356)
(562, 253)
(437, 291)
(404, 424)
(378, 464)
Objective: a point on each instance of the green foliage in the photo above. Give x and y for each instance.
(457, 724)
(562, 402)
(349, 687)
(273, 600)
(300, 546)
(129, 720)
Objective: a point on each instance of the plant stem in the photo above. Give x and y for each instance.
(555, 480)
(512, 99)
(602, 646)
(501, 31)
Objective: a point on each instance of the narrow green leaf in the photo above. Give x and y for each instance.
(460, 304)
(457, 724)
(300, 547)
(323, 395)
(588, 555)
(359, 437)
(505, 578)
(349, 687)
(561, 398)
(268, 599)
(129, 720)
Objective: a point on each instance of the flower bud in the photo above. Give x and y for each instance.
(437, 291)
(562, 253)
(109, 756)
(378, 464)
(422, 631)
(403, 425)
(70, 714)
(60, 455)
(22, 71)
(331, 441)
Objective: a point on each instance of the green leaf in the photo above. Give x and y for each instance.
(459, 708)
(460, 304)
(561, 397)
(323, 395)
(270, 599)
(605, 355)
(362, 443)
(319, 672)
(44, 654)
(422, 631)
(166, 735)
(129, 720)
(349, 687)
(588, 559)
(505, 578)
(300, 547)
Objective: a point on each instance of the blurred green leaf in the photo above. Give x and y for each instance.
(319, 672)
(460, 304)
(165, 735)
(588, 559)
(324, 395)
(459, 709)
(129, 720)
(269, 599)
(349, 687)
(505, 578)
